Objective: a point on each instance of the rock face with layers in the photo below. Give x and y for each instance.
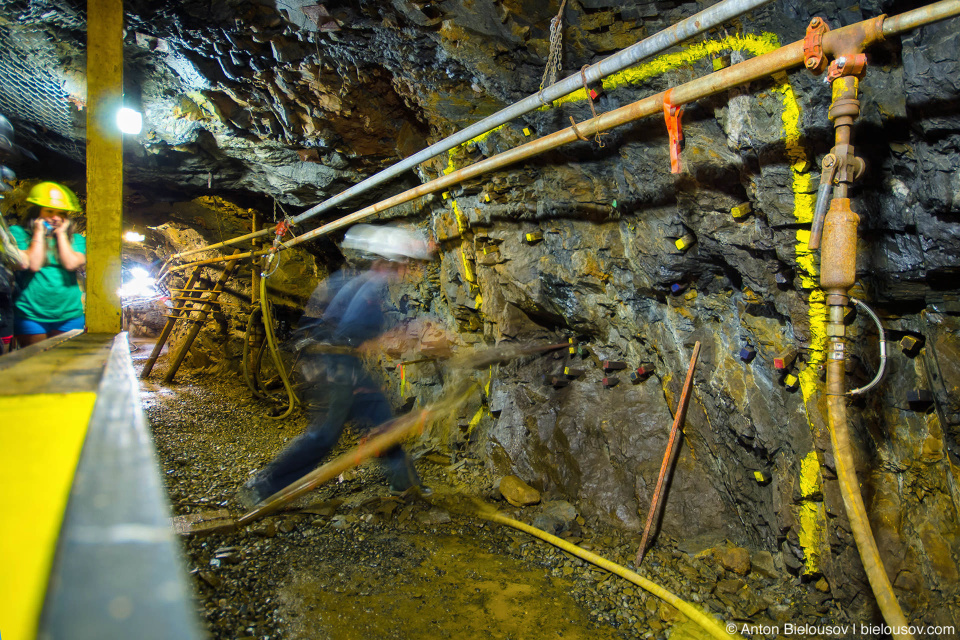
(295, 102)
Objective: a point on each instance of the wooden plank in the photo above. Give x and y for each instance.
(18, 356)
(71, 366)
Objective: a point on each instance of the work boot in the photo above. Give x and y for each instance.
(249, 494)
(423, 490)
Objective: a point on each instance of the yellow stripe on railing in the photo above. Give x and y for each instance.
(40, 441)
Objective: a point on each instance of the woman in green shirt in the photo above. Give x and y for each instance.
(49, 301)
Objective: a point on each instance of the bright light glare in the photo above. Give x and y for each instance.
(129, 121)
(139, 285)
(133, 236)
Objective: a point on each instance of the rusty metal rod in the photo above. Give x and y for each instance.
(388, 436)
(781, 60)
(668, 455)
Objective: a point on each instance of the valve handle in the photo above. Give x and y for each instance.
(830, 166)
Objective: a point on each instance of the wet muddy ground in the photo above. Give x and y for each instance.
(349, 561)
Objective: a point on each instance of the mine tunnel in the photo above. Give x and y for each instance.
(467, 319)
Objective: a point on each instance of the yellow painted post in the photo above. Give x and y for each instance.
(255, 264)
(104, 164)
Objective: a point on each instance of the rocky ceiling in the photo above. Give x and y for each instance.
(294, 99)
(298, 100)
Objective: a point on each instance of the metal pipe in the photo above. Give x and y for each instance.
(661, 41)
(782, 59)
(921, 16)
(883, 350)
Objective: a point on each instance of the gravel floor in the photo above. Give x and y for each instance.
(350, 561)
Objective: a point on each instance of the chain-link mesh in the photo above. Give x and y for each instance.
(33, 76)
(36, 12)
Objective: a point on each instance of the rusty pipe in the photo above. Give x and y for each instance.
(921, 16)
(838, 251)
(782, 59)
(236, 256)
(838, 262)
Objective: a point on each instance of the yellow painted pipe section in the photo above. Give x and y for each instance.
(41, 438)
(104, 164)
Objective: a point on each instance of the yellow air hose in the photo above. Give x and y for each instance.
(859, 524)
(274, 351)
(706, 622)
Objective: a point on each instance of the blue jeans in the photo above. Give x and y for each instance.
(24, 327)
(351, 395)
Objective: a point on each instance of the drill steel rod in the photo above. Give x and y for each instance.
(668, 455)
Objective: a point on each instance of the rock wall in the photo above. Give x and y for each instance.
(756, 464)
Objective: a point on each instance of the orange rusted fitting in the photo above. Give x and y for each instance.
(852, 65)
(813, 57)
(671, 115)
(838, 250)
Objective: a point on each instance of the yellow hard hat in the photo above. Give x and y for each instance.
(54, 196)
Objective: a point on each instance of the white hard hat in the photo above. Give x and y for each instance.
(392, 243)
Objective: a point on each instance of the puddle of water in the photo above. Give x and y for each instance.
(432, 586)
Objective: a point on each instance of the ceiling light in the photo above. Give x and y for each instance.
(129, 121)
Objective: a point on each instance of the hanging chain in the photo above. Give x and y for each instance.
(593, 110)
(554, 62)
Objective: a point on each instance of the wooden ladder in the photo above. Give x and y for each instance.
(193, 304)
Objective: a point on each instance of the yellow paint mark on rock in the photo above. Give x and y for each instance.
(812, 516)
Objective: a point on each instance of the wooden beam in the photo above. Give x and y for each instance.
(104, 164)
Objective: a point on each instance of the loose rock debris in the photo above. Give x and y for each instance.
(349, 561)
